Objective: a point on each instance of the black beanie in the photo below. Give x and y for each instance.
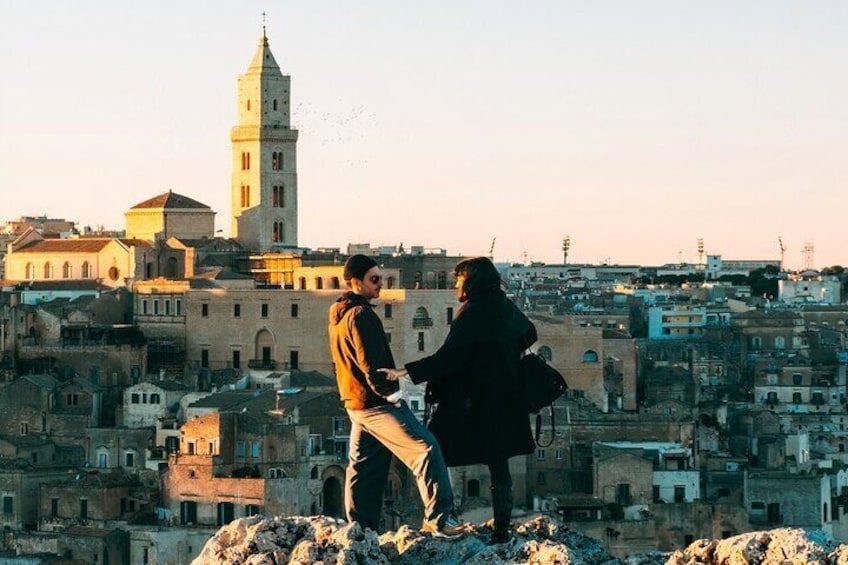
(357, 265)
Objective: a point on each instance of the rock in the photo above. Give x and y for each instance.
(782, 546)
(314, 540)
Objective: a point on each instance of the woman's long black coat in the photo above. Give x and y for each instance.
(474, 378)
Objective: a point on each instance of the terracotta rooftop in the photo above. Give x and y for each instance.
(171, 201)
(65, 246)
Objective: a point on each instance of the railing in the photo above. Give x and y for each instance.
(418, 323)
(261, 364)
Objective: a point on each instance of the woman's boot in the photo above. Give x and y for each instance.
(502, 511)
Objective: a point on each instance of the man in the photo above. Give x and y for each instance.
(382, 423)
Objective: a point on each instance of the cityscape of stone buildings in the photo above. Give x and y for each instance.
(159, 381)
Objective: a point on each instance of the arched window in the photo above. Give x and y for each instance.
(30, 271)
(86, 270)
(277, 160)
(48, 270)
(422, 318)
(546, 353)
(756, 342)
(590, 357)
(154, 398)
(314, 473)
(334, 282)
(67, 271)
(279, 232)
(245, 196)
(319, 283)
(390, 282)
(779, 342)
(302, 283)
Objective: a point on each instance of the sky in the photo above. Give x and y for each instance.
(632, 127)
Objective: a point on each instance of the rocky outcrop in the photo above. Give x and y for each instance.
(318, 539)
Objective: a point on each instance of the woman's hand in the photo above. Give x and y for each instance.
(394, 374)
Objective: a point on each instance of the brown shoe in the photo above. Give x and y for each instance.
(450, 529)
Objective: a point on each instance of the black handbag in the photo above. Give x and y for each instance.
(542, 385)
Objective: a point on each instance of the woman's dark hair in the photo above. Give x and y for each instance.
(481, 277)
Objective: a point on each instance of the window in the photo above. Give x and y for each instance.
(245, 157)
(245, 196)
(263, 310)
(144, 306)
(253, 509)
(275, 109)
(154, 398)
(30, 271)
(86, 270)
(277, 156)
(204, 358)
(679, 493)
(387, 311)
(188, 512)
(779, 342)
(473, 488)
(590, 357)
(450, 315)
(236, 359)
(54, 507)
(240, 449)
(72, 399)
(390, 282)
(796, 398)
(622, 494)
(24, 428)
(294, 360)
(279, 232)
(8, 505)
(541, 478)
(558, 455)
(294, 309)
(319, 283)
(129, 459)
(420, 341)
(302, 283)
(83, 509)
(236, 310)
(204, 310)
(67, 271)
(155, 307)
(114, 273)
(334, 282)
(178, 307)
(278, 196)
(546, 354)
(48, 270)
(134, 398)
(797, 379)
(421, 319)
(540, 455)
(167, 307)
(254, 449)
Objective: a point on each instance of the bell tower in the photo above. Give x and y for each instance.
(264, 177)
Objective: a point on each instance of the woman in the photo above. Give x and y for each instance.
(474, 380)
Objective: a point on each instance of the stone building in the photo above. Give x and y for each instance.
(146, 403)
(170, 215)
(111, 261)
(264, 163)
(20, 481)
(91, 499)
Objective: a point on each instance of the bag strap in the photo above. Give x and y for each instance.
(538, 434)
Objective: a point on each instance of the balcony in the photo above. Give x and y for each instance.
(421, 323)
(269, 364)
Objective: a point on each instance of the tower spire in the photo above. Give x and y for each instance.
(264, 21)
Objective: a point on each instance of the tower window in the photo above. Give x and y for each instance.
(279, 233)
(67, 271)
(275, 105)
(279, 196)
(277, 160)
(245, 196)
(245, 161)
(48, 270)
(248, 105)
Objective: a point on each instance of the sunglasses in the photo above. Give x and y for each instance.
(375, 279)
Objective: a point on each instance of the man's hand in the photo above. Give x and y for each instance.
(394, 374)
